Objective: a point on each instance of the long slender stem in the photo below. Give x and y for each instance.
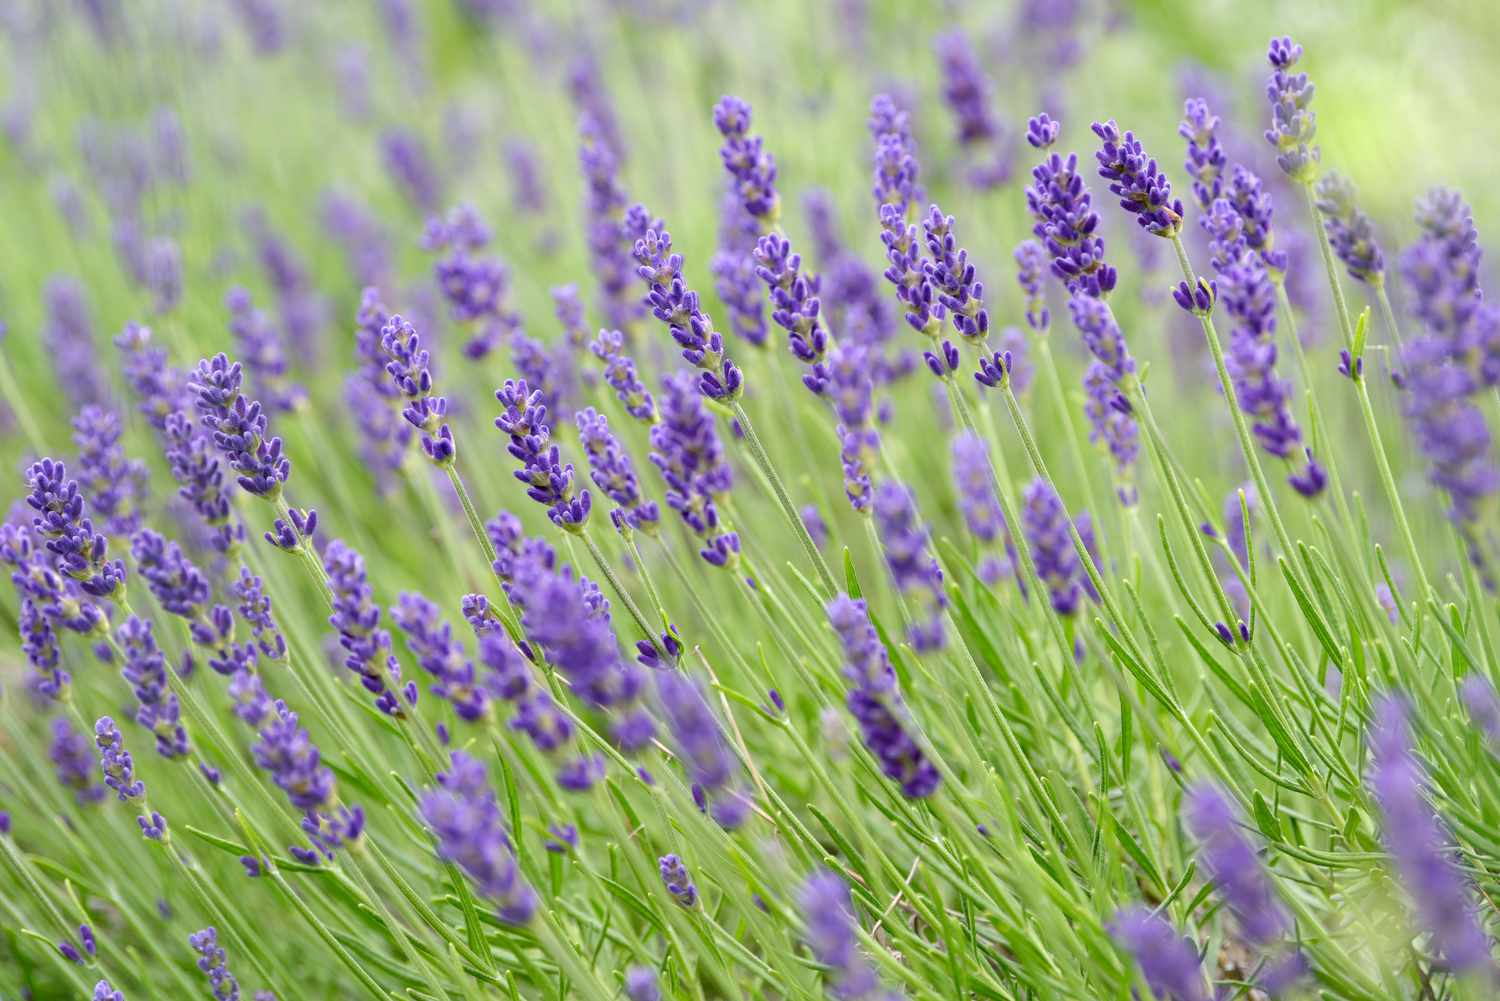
(475, 522)
(1325, 250)
(758, 451)
(619, 589)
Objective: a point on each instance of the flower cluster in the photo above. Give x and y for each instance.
(145, 669)
(356, 617)
(1294, 125)
(676, 305)
(1044, 523)
(262, 352)
(795, 307)
(200, 481)
(1066, 222)
(687, 451)
(548, 481)
(409, 366)
(78, 551)
(1349, 230)
(239, 428)
(828, 913)
(476, 288)
(115, 486)
(465, 817)
(750, 167)
(620, 375)
(614, 474)
(913, 569)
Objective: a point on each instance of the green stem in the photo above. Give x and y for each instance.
(619, 589)
(758, 451)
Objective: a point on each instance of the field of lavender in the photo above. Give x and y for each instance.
(650, 499)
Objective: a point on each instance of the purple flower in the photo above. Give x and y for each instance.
(976, 490)
(850, 389)
(239, 428)
(195, 466)
(673, 303)
(1483, 705)
(679, 884)
(214, 964)
(1108, 376)
(365, 242)
(608, 243)
(641, 985)
(614, 474)
(69, 339)
(953, 277)
(104, 992)
(411, 168)
(39, 644)
(145, 669)
(828, 914)
(115, 486)
(356, 617)
(1134, 178)
(1168, 960)
(1206, 160)
(1031, 263)
(115, 762)
(73, 761)
(262, 351)
(912, 566)
(875, 701)
(795, 306)
(1044, 522)
(476, 288)
(816, 527)
(160, 388)
(441, 655)
(1349, 230)
(465, 817)
(751, 169)
(1293, 123)
(287, 752)
(734, 270)
(620, 375)
(77, 550)
(178, 585)
(548, 481)
(1419, 844)
(699, 741)
(255, 609)
(1232, 863)
(896, 166)
(1067, 224)
(966, 89)
(408, 365)
(687, 451)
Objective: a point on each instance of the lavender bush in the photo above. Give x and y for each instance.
(1070, 575)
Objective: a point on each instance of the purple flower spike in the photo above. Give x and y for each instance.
(876, 703)
(77, 550)
(953, 277)
(1031, 263)
(1045, 525)
(114, 486)
(614, 474)
(734, 270)
(145, 669)
(466, 819)
(620, 375)
(1168, 960)
(795, 306)
(1294, 126)
(699, 741)
(1420, 846)
(195, 466)
(1206, 160)
(851, 389)
(912, 566)
(75, 764)
(548, 481)
(607, 240)
(1349, 230)
(674, 304)
(1042, 131)
(679, 884)
(1067, 225)
(641, 984)
(1134, 178)
(896, 165)
(1233, 864)
(176, 583)
(407, 363)
(262, 351)
(214, 964)
(239, 428)
(750, 167)
(828, 914)
(441, 655)
(104, 992)
(688, 452)
(115, 762)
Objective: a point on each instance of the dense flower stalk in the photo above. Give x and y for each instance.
(1206, 160)
(262, 352)
(751, 169)
(912, 566)
(968, 92)
(828, 913)
(1294, 125)
(356, 617)
(160, 388)
(687, 450)
(69, 337)
(200, 481)
(1105, 383)
(145, 670)
(609, 245)
(214, 964)
(548, 480)
(1065, 220)
(411, 169)
(1420, 846)
(239, 428)
(115, 486)
(699, 741)
(465, 817)
(980, 505)
(1134, 178)
(73, 762)
(875, 701)
(1168, 960)
(614, 474)
(851, 390)
(675, 878)
(734, 270)
(1232, 863)
(441, 655)
(896, 166)
(409, 366)
(1349, 230)
(673, 303)
(476, 287)
(620, 375)
(953, 278)
(78, 551)
(795, 306)
(1044, 522)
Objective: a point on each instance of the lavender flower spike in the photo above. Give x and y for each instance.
(465, 816)
(1045, 525)
(548, 481)
(214, 964)
(828, 912)
(408, 364)
(1233, 864)
(614, 474)
(674, 876)
(239, 428)
(953, 277)
(1134, 178)
(795, 306)
(1418, 843)
(875, 701)
(1294, 125)
(145, 669)
(1168, 961)
(115, 761)
(104, 992)
(751, 168)
(432, 643)
(78, 551)
(1065, 220)
(1349, 230)
(913, 568)
(620, 375)
(1205, 155)
(699, 741)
